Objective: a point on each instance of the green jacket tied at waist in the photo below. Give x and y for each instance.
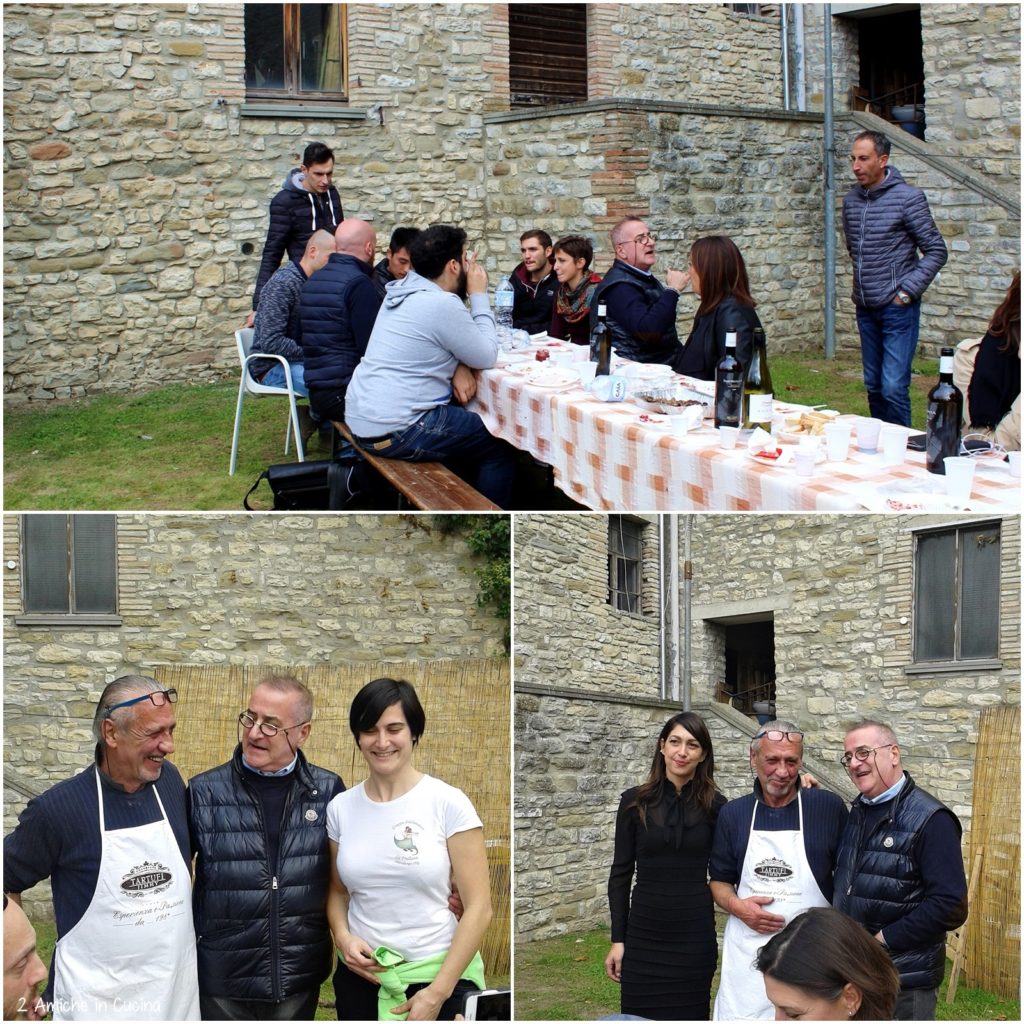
(400, 974)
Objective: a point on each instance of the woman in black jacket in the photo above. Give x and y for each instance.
(719, 276)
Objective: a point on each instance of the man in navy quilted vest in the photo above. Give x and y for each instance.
(886, 222)
(900, 871)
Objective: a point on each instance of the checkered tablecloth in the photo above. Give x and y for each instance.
(604, 458)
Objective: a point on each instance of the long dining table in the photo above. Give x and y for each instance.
(605, 456)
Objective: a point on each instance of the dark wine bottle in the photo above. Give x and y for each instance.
(601, 343)
(945, 413)
(729, 386)
(757, 388)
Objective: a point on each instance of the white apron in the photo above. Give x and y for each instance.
(132, 955)
(775, 865)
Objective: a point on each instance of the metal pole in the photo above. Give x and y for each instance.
(784, 29)
(673, 527)
(687, 618)
(830, 203)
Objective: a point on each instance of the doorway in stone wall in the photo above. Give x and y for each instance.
(745, 650)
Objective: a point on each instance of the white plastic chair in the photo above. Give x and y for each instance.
(243, 339)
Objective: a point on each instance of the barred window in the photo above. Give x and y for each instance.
(69, 568)
(956, 594)
(625, 554)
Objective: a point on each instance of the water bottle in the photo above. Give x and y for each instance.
(504, 299)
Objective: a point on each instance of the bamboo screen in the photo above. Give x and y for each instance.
(993, 927)
(466, 742)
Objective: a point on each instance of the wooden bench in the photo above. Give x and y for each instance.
(429, 486)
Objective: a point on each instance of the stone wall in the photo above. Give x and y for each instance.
(137, 179)
(841, 590)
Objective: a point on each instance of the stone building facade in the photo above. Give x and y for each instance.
(837, 593)
(137, 176)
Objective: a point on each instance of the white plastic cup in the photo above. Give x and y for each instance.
(867, 434)
(585, 370)
(728, 436)
(1014, 458)
(893, 442)
(804, 460)
(837, 441)
(561, 357)
(959, 479)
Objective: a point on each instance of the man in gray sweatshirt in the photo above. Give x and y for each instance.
(399, 401)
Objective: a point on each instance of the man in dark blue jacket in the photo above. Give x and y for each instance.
(258, 826)
(886, 221)
(641, 310)
(306, 203)
(337, 310)
(899, 871)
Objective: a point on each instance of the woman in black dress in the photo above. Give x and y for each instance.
(664, 948)
(719, 276)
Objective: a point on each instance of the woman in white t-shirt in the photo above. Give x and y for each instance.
(397, 841)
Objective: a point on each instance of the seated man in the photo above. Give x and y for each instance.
(641, 310)
(337, 309)
(400, 398)
(277, 327)
(395, 264)
(534, 283)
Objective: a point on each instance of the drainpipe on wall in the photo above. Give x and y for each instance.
(800, 59)
(687, 625)
(673, 527)
(830, 204)
(662, 631)
(784, 29)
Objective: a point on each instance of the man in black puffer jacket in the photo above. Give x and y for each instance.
(337, 310)
(258, 827)
(886, 221)
(307, 202)
(899, 869)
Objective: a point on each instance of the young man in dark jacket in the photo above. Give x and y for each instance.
(886, 221)
(396, 263)
(306, 202)
(534, 283)
(258, 827)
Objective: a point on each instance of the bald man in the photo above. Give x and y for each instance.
(24, 972)
(337, 310)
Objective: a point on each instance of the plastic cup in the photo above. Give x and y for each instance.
(837, 441)
(728, 436)
(959, 479)
(585, 370)
(893, 442)
(804, 460)
(561, 357)
(867, 434)
(1014, 458)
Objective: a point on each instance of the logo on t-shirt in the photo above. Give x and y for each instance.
(404, 837)
(146, 879)
(773, 870)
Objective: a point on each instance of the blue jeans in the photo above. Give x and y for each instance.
(274, 378)
(888, 341)
(458, 438)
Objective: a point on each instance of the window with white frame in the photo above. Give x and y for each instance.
(956, 594)
(69, 568)
(625, 563)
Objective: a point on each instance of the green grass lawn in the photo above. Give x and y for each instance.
(169, 448)
(564, 979)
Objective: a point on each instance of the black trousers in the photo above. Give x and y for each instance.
(300, 1007)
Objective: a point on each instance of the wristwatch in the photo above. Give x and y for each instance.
(904, 298)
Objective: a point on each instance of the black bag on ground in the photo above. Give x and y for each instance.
(307, 486)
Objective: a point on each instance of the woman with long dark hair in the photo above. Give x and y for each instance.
(988, 373)
(664, 948)
(718, 275)
(825, 966)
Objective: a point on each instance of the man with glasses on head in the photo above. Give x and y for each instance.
(263, 865)
(641, 310)
(900, 871)
(113, 840)
(772, 858)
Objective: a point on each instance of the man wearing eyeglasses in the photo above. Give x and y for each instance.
(900, 871)
(771, 859)
(113, 840)
(263, 865)
(641, 310)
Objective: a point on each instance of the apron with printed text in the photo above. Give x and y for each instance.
(775, 865)
(132, 955)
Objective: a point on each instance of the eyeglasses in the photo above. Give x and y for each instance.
(246, 721)
(777, 737)
(862, 754)
(159, 699)
(647, 236)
